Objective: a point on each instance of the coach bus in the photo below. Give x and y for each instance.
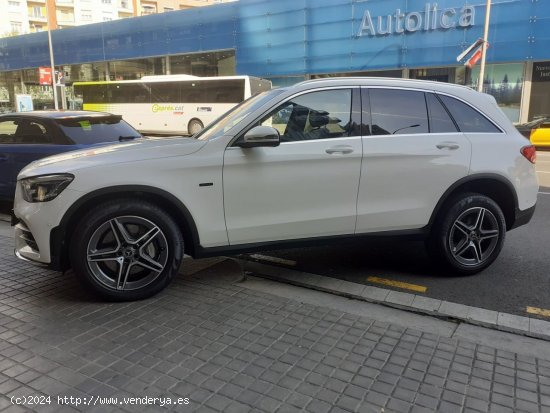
(169, 104)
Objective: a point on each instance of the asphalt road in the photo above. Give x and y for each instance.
(519, 278)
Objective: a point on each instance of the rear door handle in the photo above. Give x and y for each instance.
(339, 149)
(448, 145)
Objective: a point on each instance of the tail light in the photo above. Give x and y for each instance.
(530, 153)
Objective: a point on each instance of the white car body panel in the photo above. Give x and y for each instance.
(295, 190)
(404, 176)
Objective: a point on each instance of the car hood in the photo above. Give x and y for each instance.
(138, 150)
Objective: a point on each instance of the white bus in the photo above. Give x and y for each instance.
(169, 104)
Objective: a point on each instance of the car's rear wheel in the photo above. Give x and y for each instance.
(195, 126)
(126, 250)
(469, 234)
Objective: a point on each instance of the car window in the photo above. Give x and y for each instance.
(397, 112)
(467, 118)
(7, 131)
(440, 121)
(85, 131)
(26, 132)
(316, 115)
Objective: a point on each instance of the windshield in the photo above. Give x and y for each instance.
(85, 131)
(232, 117)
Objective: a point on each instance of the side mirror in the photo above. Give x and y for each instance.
(260, 136)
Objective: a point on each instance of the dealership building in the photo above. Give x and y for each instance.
(288, 41)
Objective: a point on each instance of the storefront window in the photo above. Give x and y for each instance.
(136, 69)
(220, 63)
(540, 91)
(504, 82)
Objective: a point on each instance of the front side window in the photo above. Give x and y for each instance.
(467, 118)
(315, 115)
(398, 112)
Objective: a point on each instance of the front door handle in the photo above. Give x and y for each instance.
(339, 149)
(448, 145)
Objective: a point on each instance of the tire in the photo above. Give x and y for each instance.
(126, 250)
(194, 127)
(468, 234)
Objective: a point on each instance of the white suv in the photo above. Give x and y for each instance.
(322, 161)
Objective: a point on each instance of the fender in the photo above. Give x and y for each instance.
(58, 236)
(471, 179)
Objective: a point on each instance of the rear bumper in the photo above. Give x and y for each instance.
(523, 217)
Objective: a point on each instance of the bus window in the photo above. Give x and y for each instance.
(128, 92)
(163, 92)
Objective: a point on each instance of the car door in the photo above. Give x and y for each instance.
(305, 187)
(409, 158)
(28, 141)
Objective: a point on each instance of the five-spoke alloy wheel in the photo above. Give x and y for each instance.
(130, 250)
(468, 234)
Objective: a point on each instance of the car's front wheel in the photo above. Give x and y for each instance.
(126, 250)
(469, 234)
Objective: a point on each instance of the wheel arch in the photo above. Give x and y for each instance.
(61, 235)
(494, 186)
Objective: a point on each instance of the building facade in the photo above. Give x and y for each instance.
(29, 16)
(291, 40)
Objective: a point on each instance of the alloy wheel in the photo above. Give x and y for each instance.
(473, 237)
(127, 253)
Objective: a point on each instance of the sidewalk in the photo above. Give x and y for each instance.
(230, 345)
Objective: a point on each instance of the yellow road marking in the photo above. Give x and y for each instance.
(398, 284)
(538, 311)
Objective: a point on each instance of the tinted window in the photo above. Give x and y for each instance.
(316, 115)
(164, 92)
(96, 130)
(213, 91)
(396, 112)
(26, 132)
(467, 118)
(440, 121)
(128, 93)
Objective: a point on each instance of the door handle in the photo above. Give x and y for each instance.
(339, 149)
(448, 145)
(3, 157)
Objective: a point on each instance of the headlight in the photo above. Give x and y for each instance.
(44, 188)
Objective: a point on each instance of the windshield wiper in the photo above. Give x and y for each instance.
(127, 138)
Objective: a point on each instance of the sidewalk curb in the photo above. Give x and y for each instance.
(526, 326)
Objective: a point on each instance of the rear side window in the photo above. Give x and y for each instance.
(87, 131)
(398, 112)
(440, 121)
(467, 118)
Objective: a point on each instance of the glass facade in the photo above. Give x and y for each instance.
(540, 91)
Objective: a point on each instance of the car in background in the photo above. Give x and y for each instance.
(28, 136)
(537, 131)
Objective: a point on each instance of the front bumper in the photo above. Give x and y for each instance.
(37, 228)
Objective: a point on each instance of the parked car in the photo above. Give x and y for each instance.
(537, 131)
(28, 136)
(356, 158)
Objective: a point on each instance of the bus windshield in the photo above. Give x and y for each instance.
(225, 122)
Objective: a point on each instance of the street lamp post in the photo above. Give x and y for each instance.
(484, 47)
(54, 87)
